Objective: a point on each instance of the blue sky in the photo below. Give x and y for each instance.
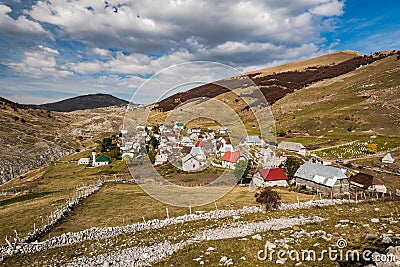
(51, 50)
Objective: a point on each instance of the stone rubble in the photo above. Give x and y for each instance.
(30, 245)
(143, 256)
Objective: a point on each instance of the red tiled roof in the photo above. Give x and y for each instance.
(230, 156)
(274, 174)
(198, 143)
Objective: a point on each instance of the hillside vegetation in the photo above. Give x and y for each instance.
(31, 138)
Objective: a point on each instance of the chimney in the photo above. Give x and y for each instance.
(94, 158)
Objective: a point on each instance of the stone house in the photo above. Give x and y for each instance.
(319, 178)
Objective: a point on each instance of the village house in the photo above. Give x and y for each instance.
(84, 161)
(266, 156)
(178, 126)
(206, 145)
(161, 158)
(99, 161)
(185, 141)
(367, 182)
(196, 131)
(223, 130)
(164, 129)
(322, 179)
(229, 159)
(293, 147)
(221, 147)
(270, 177)
(388, 158)
(194, 160)
(253, 140)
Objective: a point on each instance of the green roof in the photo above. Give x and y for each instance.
(180, 124)
(102, 158)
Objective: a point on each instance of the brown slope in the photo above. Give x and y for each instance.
(273, 86)
(324, 60)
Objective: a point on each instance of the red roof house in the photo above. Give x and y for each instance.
(270, 177)
(229, 159)
(274, 174)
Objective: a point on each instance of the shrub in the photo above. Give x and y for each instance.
(268, 197)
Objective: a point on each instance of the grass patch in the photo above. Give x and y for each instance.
(23, 198)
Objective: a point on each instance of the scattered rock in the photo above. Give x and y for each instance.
(257, 236)
(370, 236)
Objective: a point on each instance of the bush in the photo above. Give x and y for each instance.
(268, 197)
(290, 167)
(242, 169)
(371, 149)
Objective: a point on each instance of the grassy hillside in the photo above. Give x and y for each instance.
(363, 102)
(31, 137)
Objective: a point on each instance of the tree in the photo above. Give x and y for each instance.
(154, 142)
(371, 148)
(242, 168)
(100, 147)
(152, 155)
(268, 197)
(115, 153)
(106, 142)
(127, 159)
(290, 167)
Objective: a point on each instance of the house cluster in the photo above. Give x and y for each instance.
(319, 179)
(194, 147)
(96, 161)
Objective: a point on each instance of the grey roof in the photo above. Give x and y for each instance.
(188, 157)
(193, 154)
(388, 158)
(186, 139)
(320, 174)
(253, 139)
(291, 146)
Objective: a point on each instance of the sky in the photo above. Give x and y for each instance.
(55, 49)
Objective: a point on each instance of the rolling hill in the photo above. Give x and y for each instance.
(325, 95)
(31, 137)
(84, 102)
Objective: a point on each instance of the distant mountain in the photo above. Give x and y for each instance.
(4, 102)
(83, 102)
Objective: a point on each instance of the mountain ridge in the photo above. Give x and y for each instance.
(82, 102)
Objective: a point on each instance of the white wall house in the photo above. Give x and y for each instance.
(270, 177)
(190, 163)
(161, 158)
(83, 161)
(388, 158)
(229, 159)
(293, 147)
(194, 160)
(99, 161)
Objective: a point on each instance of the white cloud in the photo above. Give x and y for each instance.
(20, 25)
(135, 64)
(101, 52)
(39, 62)
(154, 26)
(332, 8)
(157, 34)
